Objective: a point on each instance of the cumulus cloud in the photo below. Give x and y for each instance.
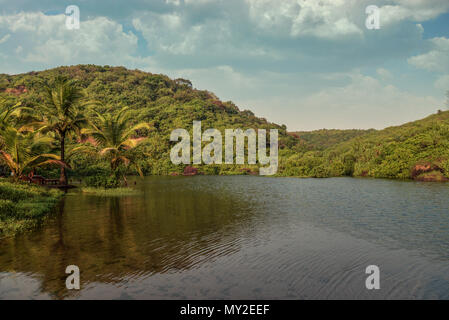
(413, 10)
(166, 32)
(323, 19)
(4, 38)
(245, 34)
(37, 40)
(437, 59)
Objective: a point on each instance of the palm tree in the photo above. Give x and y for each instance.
(11, 115)
(23, 149)
(62, 114)
(116, 138)
(7, 112)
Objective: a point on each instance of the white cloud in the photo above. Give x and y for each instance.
(384, 74)
(215, 39)
(413, 10)
(38, 40)
(5, 38)
(166, 32)
(174, 2)
(322, 19)
(272, 34)
(437, 59)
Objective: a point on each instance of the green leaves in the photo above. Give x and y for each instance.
(24, 151)
(116, 138)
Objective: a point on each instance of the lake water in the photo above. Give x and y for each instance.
(239, 237)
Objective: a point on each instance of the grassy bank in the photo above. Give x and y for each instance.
(23, 206)
(112, 192)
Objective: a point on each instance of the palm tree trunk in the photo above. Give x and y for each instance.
(63, 176)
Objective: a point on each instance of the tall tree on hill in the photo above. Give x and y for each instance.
(62, 113)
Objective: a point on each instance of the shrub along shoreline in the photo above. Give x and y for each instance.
(24, 206)
(110, 192)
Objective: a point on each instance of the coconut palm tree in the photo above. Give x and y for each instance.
(116, 138)
(62, 113)
(7, 112)
(23, 149)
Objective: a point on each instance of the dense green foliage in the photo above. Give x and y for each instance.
(23, 206)
(103, 181)
(413, 150)
(155, 99)
(117, 139)
(111, 192)
(326, 138)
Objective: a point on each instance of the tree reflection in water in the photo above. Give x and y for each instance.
(169, 228)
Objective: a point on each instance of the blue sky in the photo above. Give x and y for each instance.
(304, 63)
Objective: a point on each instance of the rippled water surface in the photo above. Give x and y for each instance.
(239, 237)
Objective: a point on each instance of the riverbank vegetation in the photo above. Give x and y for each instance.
(23, 206)
(60, 129)
(111, 192)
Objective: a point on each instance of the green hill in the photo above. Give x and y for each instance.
(418, 150)
(165, 103)
(326, 138)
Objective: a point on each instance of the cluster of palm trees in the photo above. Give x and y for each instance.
(38, 136)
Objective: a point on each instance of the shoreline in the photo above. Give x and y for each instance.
(23, 207)
(32, 204)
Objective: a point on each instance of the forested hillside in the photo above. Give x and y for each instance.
(418, 150)
(164, 103)
(326, 138)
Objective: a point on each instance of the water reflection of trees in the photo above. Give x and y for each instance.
(171, 228)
